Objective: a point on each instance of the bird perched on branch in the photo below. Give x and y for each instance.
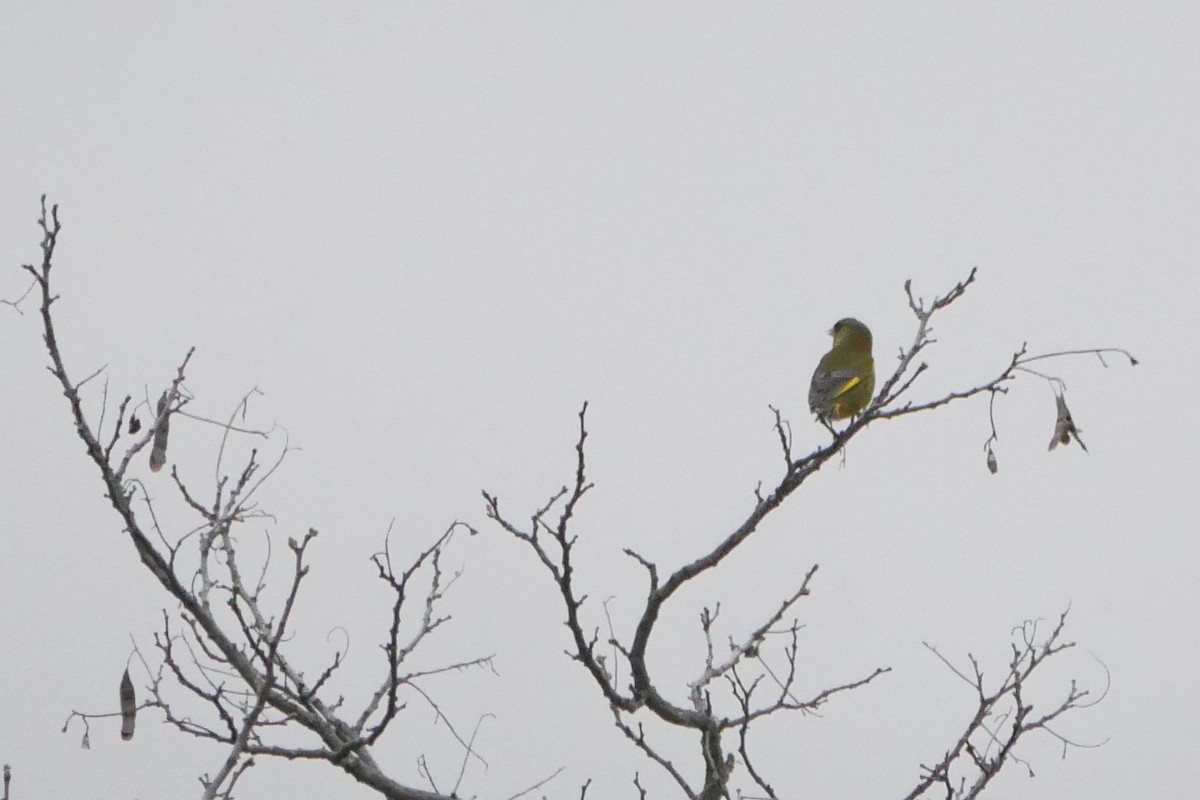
(844, 381)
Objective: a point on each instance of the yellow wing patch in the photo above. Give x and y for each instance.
(848, 385)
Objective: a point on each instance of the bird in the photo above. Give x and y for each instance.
(844, 380)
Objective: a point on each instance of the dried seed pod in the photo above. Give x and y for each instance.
(158, 453)
(128, 707)
(1064, 426)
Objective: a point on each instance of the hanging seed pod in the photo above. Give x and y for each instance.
(128, 707)
(1064, 426)
(158, 453)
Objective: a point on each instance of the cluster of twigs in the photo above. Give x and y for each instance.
(226, 646)
(1003, 715)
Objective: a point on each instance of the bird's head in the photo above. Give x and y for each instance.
(850, 332)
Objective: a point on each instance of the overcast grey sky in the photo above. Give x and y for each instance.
(429, 232)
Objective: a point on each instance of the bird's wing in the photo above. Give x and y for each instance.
(828, 385)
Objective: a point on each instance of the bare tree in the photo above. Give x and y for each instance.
(227, 646)
(752, 688)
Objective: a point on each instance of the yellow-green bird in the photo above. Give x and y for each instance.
(844, 381)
